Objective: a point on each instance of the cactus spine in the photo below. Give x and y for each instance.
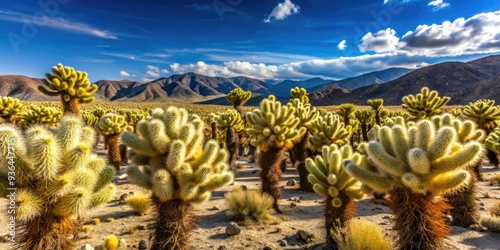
(415, 164)
(425, 104)
(111, 126)
(338, 188)
(58, 178)
(168, 157)
(9, 109)
(274, 130)
(72, 86)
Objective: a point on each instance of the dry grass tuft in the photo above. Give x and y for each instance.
(495, 210)
(361, 234)
(249, 206)
(490, 222)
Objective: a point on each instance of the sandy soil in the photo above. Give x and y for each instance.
(306, 215)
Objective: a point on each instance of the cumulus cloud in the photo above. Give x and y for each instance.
(438, 4)
(283, 10)
(342, 45)
(124, 73)
(382, 41)
(165, 71)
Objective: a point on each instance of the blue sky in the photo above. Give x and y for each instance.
(281, 39)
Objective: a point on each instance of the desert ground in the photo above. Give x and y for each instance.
(304, 214)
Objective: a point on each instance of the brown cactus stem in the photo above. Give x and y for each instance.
(8, 119)
(123, 153)
(364, 131)
(419, 220)
(174, 222)
(493, 158)
(464, 209)
(215, 131)
(301, 152)
(270, 174)
(239, 108)
(377, 117)
(114, 158)
(71, 106)
(232, 144)
(337, 216)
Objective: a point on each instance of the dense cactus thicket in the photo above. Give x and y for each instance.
(274, 129)
(57, 179)
(331, 181)
(36, 115)
(111, 126)
(72, 86)
(425, 104)
(9, 109)
(414, 165)
(168, 158)
(486, 115)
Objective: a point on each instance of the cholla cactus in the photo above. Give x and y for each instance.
(326, 130)
(486, 115)
(425, 104)
(331, 181)
(300, 94)
(168, 157)
(365, 117)
(464, 208)
(493, 141)
(134, 116)
(457, 112)
(9, 108)
(89, 118)
(36, 115)
(238, 97)
(231, 122)
(73, 86)
(57, 178)
(415, 164)
(346, 112)
(274, 129)
(378, 107)
(111, 126)
(301, 150)
(99, 112)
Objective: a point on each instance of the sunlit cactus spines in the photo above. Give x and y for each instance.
(9, 109)
(48, 116)
(99, 112)
(72, 86)
(425, 104)
(169, 158)
(378, 107)
(415, 164)
(365, 118)
(238, 97)
(274, 129)
(340, 190)
(456, 112)
(346, 112)
(300, 94)
(231, 122)
(493, 141)
(57, 179)
(327, 130)
(111, 126)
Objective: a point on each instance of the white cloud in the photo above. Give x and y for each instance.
(438, 4)
(55, 23)
(145, 79)
(164, 71)
(382, 41)
(152, 68)
(342, 45)
(124, 73)
(283, 10)
(152, 73)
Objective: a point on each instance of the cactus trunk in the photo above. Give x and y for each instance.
(215, 135)
(71, 106)
(232, 144)
(114, 158)
(301, 152)
(270, 164)
(364, 131)
(173, 224)
(123, 153)
(464, 208)
(337, 216)
(419, 219)
(492, 157)
(48, 231)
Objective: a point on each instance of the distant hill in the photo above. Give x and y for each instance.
(283, 88)
(463, 82)
(22, 87)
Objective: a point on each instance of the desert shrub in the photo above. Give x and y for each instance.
(491, 222)
(495, 210)
(361, 234)
(140, 203)
(249, 206)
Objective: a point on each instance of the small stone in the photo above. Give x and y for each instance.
(291, 183)
(243, 187)
(233, 229)
(123, 197)
(295, 198)
(215, 208)
(5, 238)
(448, 219)
(293, 204)
(141, 227)
(143, 245)
(122, 177)
(477, 227)
(283, 243)
(386, 217)
(481, 203)
(279, 230)
(222, 248)
(267, 248)
(305, 236)
(87, 247)
(131, 193)
(383, 223)
(481, 208)
(255, 171)
(122, 243)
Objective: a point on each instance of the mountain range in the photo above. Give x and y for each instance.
(463, 82)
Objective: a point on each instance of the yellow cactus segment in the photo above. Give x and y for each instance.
(110, 124)
(329, 178)
(493, 141)
(425, 104)
(9, 106)
(432, 161)
(306, 114)
(230, 118)
(300, 94)
(36, 115)
(28, 205)
(171, 160)
(238, 96)
(278, 121)
(484, 113)
(328, 129)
